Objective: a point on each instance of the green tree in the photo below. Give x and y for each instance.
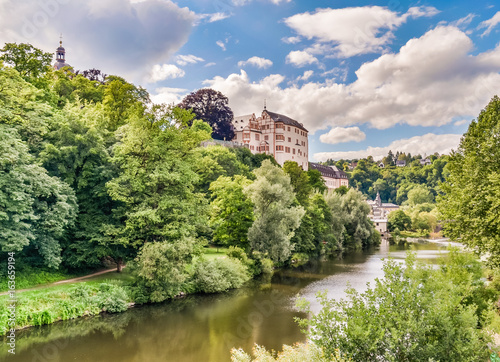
(398, 220)
(157, 178)
(231, 212)
(35, 209)
(471, 197)
(316, 181)
(415, 313)
(419, 195)
(275, 217)
(299, 180)
(29, 61)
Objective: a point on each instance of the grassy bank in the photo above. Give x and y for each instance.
(113, 292)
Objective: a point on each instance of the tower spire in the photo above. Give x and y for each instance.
(265, 104)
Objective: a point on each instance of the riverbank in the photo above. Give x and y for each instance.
(106, 292)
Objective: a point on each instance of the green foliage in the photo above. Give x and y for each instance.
(29, 61)
(300, 352)
(299, 180)
(415, 313)
(231, 212)
(220, 275)
(275, 217)
(351, 225)
(419, 194)
(316, 181)
(45, 306)
(398, 220)
(35, 209)
(160, 268)
(471, 197)
(156, 179)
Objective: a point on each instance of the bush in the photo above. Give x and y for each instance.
(299, 353)
(416, 313)
(219, 275)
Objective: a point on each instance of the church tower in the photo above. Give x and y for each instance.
(60, 57)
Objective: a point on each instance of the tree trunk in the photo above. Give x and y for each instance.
(119, 265)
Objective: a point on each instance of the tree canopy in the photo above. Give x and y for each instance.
(212, 107)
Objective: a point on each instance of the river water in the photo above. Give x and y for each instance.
(203, 328)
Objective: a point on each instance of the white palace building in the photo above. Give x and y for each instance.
(273, 134)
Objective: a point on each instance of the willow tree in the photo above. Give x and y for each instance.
(275, 216)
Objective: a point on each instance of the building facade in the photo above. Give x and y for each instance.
(379, 213)
(274, 134)
(334, 178)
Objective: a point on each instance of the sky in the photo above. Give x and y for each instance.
(364, 77)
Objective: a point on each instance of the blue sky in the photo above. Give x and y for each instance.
(363, 76)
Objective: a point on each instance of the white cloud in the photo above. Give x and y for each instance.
(211, 64)
(165, 71)
(211, 18)
(490, 24)
(183, 60)
(352, 31)
(244, 2)
(423, 145)
(300, 58)
(291, 39)
(342, 135)
(430, 82)
(168, 95)
(307, 74)
(461, 122)
(221, 44)
(117, 36)
(256, 61)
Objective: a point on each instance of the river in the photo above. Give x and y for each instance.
(203, 328)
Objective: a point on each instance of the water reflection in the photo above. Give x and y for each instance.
(205, 327)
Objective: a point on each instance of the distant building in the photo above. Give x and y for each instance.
(381, 165)
(273, 134)
(400, 163)
(334, 178)
(60, 58)
(379, 213)
(425, 161)
(352, 165)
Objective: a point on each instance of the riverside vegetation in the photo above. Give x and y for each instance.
(93, 174)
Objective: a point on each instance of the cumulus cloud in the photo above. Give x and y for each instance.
(423, 145)
(300, 58)
(183, 60)
(342, 135)
(115, 36)
(431, 81)
(257, 62)
(307, 74)
(352, 31)
(165, 71)
(490, 24)
(168, 95)
(211, 18)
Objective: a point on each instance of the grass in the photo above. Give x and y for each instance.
(214, 253)
(31, 278)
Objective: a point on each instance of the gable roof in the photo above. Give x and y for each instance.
(328, 171)
(276, 117)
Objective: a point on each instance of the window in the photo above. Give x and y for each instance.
(297, 143)
(252, 148)
(293, 151)
(287, 149)
(266, 138)
(257, 137)
(279, 148)
(289, 139)
(280, 137)
(288, 129)
(280, 125)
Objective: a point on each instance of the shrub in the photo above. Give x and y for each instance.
(219, 275)
(416, 313)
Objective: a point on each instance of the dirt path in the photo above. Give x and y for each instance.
(72, 280)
